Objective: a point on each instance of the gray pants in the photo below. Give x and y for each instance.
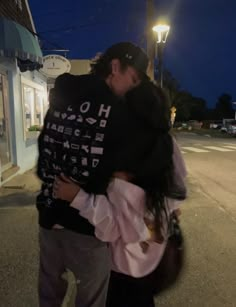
(87, 257)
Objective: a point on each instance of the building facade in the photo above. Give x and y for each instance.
(18, 11)
(80, 67)
(23, 89)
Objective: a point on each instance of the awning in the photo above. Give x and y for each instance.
(16, 41)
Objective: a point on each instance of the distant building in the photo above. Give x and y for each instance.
(80, 67)
(23, 89)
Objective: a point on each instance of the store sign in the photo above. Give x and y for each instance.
(55, 65)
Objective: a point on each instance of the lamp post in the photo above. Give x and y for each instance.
(150, 10)
(162, 32)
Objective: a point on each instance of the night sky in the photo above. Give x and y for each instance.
(200, 50)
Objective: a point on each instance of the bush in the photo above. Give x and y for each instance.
(34, 128)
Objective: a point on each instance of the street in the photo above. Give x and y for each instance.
(212, 162)
(208, 220)
(209, 224)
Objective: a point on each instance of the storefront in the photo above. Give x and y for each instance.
(23, 98)
(5, 149)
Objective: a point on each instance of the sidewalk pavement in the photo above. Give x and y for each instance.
(21, 190)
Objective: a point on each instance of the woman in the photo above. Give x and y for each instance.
(147, 186)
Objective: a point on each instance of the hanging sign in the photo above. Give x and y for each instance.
(55, 65)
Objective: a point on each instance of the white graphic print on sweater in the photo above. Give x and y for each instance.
(74, 140)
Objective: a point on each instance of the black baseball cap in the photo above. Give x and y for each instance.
(130, 54)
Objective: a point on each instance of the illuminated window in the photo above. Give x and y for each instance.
(39, 108)
(34, 107)
(28, 97)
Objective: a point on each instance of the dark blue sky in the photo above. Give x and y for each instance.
(200, 50)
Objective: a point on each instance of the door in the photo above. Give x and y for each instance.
(5, 148)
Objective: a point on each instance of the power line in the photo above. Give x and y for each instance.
(58, 30)
(53, 12)
(66, 11)
(44, 39)
(75, 27)
(55, 45)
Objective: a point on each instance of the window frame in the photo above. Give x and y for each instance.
(36, 87)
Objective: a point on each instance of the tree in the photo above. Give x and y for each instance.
(171, 86)
(224, 107)
(188, 107)
(198, 108)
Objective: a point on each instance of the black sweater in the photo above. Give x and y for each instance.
(88, 134)
(76, 136)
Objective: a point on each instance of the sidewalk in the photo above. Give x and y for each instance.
(20, 190)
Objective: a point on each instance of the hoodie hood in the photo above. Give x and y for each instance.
(71, 89)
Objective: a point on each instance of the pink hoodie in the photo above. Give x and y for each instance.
(119, 219)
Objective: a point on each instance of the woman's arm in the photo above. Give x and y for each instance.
(114, 219)
(100, 212)
(97, 209)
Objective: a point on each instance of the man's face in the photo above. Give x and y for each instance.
(122, 80)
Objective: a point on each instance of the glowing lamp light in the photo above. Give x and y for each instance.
(162, 32)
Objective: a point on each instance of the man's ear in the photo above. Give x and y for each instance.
(115, 66)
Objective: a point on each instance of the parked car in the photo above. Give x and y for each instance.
(224, 129)
(228, 126)
(191, 124)
(194, 124)
(232, 128)
(218, 124)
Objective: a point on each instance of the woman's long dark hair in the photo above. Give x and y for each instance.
(145, 148)
(155, 172)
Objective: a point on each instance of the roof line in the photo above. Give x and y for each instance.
(30, 15)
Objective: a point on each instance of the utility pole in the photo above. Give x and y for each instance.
(150, 37)
(160, 64)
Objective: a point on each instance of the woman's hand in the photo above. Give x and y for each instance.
(65, 189)
(177, 213)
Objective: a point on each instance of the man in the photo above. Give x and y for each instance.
(78, 139)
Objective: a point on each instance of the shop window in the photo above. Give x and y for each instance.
(34, 109)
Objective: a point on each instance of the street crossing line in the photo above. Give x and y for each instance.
(218, 148)
(233, 144)
(195, 149)
(230, 147)
(200, 148)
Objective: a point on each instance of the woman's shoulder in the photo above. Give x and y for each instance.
(131, 193)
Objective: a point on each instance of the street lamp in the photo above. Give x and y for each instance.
(162, 31)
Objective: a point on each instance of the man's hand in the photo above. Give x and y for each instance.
(65, 189)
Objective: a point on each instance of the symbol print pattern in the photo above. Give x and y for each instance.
(73, 141)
